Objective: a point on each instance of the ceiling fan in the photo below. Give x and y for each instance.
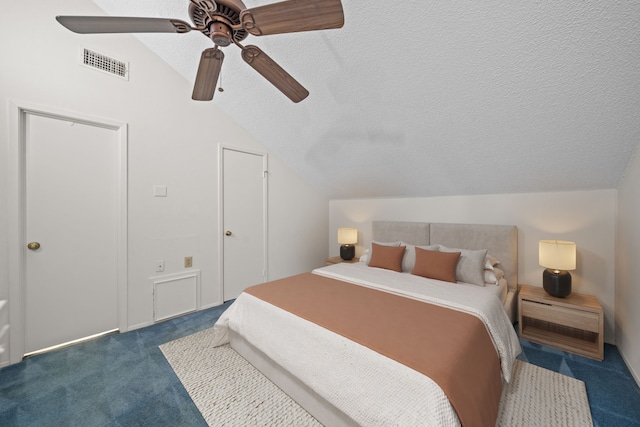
(226, 22)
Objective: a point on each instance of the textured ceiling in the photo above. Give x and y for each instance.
(431, 98)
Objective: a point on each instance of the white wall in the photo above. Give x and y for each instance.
(628, 268)
(585, 217)
(172, 141)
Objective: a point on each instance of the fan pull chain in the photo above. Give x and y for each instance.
(220, 88)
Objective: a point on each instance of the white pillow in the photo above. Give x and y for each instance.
(379, 243)
(490, 262)
(492, 277)
(409, 259)
(470, 267)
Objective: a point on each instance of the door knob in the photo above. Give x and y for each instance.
(33, 246)
(228, 233)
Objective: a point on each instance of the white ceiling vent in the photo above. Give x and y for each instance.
(101, 62)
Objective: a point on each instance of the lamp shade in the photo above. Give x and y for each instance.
(557, 254)
(347, 236)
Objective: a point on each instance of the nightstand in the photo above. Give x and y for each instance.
(338, 260)
(574, 324)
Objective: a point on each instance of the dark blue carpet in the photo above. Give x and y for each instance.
(116, 380)
(124, 380)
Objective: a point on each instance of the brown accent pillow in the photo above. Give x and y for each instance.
(436, 265)
(389, 257)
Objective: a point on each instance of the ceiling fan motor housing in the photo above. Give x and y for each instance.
(216, 24)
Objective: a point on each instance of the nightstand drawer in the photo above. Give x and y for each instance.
(579, 319)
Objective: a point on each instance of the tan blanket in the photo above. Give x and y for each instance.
(450, 347)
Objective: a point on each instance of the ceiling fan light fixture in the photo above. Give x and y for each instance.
(220, 34)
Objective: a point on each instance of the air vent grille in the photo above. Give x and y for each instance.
(105, 63)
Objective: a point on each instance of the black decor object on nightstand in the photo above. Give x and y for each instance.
(347, 252)
(557, 256)
(347, 237)
(557, 283)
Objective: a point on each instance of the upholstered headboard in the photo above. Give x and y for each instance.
(501, 241)
(416, 233)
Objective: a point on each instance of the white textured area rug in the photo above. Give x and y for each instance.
(229, 391)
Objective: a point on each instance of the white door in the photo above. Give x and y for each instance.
(243, 219)
(71, 280)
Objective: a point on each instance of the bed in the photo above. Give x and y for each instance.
(341, 378)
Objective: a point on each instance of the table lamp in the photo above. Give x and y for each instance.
(347, 237)
(557, 256)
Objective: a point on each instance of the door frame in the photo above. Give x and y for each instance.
(18, 111)
(265, 218)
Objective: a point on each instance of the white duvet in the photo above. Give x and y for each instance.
(371, 389)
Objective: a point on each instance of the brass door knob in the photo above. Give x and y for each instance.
(228, 233)
(33, 246)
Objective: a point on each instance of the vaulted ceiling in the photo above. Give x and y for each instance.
(432, 98)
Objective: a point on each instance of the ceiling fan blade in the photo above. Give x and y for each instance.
(293, 16)
(121, 24)
(271, 71)
(208, 72)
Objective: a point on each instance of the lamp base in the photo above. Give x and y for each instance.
(556, 283)
(347, 252)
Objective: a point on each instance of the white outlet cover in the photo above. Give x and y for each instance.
(159, 191)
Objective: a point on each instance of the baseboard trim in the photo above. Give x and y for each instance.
(140, 326)
(634, 374)
(207, 306)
